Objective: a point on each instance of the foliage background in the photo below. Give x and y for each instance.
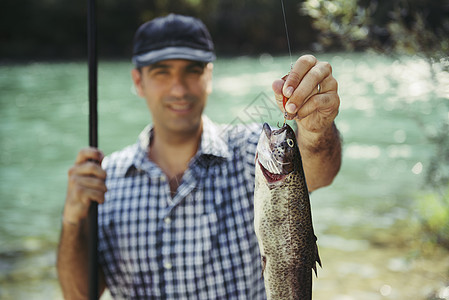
(55, 29)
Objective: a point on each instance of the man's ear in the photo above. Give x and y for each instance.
(209, 68)
(137, 79)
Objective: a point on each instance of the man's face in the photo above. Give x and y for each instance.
(176, 92)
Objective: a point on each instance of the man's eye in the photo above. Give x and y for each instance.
(161, 72)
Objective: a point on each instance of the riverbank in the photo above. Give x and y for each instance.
(357, 263)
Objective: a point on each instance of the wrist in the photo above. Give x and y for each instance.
(70, 219)
(70, 222)
(317, 141)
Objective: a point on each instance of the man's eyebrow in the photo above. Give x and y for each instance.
(158, 65)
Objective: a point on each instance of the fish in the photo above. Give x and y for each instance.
(283, 218)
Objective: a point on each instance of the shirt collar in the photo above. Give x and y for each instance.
(213, 142)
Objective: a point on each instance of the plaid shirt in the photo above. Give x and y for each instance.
(198, 244)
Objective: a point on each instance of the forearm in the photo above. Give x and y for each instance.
(72, 261)
(321, 155)
(86, 184)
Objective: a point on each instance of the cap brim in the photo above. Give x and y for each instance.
(155, 56)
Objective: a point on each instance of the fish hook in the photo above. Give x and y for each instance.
(285, 121)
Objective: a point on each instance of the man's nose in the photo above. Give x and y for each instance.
(178, 87)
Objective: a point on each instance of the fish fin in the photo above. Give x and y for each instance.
(264, 263)
(317, 258)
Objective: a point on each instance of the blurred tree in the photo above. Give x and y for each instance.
(401, 26)
(41, 29)
(57, 29)
(341, 23)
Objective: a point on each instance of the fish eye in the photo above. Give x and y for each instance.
(290, 142)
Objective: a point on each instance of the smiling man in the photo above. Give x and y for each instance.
(176, 92)
(176, 213)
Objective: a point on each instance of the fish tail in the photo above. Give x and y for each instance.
(316, 260)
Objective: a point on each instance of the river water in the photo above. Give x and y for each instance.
(367, 223)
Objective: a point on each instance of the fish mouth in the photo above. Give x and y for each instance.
(269, 176)
(271, 167)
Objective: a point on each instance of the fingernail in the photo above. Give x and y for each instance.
(288, 92)
(290, 108)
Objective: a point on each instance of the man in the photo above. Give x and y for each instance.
(177, 219)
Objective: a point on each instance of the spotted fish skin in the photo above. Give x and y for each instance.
(283, 220)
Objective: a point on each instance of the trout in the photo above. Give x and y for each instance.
(282, 217)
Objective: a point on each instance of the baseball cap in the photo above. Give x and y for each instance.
(172, 37)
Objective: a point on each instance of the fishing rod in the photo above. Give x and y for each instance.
(93, 142)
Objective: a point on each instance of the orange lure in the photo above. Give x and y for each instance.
(284, 101)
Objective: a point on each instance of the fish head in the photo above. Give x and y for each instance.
(277, 152)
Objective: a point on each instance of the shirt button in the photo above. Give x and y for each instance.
(167, 220)
(168, 265)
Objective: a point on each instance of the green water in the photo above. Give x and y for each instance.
(364, 222)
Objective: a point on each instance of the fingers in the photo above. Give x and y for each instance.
(87, 154)
(87, 178)
(80, 195)
(90, 183)
(86, 183)
(302, 67)
(320, 73)
(309, 81)
(277, 88)
(325, 104)
(88, 169)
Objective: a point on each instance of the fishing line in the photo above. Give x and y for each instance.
(291, 59)
(286, 33)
